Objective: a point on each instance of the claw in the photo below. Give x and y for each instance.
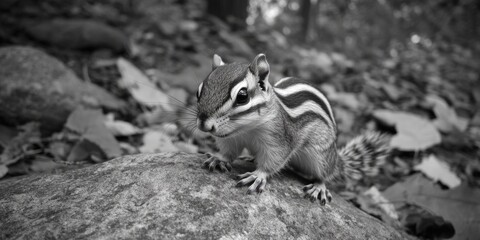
(329, 196)
(258, 180)
(317, 191)
(213, 162)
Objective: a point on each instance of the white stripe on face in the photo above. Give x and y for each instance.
(199, 90)
(255, 101)
(236, 88)
(304, 87)
(233, 95)
(251, 81)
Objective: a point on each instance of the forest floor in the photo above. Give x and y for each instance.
(152, 56)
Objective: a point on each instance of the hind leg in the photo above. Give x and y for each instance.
(317, 190)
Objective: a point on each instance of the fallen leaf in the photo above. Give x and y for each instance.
(85, 150)
(170, 128)
(460, 205)
(413, 132)
(391, 90)
(158, 115)
(446, 117)
(59, 150)
(17, 148)
(179, 96)
(140, 86)
(186, 147)
(128, 148)
(157, 141)
(90, 125)
(120, 128)
(438, 171)
(373, 202)
(189, 78)
(3, 170)
(44, 165)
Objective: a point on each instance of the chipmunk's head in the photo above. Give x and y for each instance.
(233, 96)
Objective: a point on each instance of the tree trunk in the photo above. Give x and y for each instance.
(231, 11)
(309, 12)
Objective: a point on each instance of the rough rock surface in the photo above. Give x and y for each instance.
(169, 196)
(37, 87)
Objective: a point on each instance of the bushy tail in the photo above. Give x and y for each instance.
(364, 154)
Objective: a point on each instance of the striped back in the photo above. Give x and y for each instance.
(299, 99)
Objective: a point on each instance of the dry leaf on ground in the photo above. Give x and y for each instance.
(413, 132)
(373, 202)
(140, 86)
(3, 170)
(90, 125)
(18, 147)
(120, 128)
(42, 164)
(157, 141)
(85, 150)
(446, 117)
(460, 205)
(438, 171)
(186, 147)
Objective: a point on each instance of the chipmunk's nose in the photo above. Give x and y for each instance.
(204, 125)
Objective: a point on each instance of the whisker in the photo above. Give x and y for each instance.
(190, 110)
(168, 95)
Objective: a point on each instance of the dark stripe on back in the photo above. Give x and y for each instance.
(307, 117)
(297, 99)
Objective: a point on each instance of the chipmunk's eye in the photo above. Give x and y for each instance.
(242, 97)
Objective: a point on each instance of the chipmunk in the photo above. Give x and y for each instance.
(288, 124)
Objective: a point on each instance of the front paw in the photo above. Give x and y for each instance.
(258, 178)
(217, 161)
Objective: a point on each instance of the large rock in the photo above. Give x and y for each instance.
(79, 34)
(168, 196)
(37, 87)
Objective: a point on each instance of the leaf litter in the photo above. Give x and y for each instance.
(460, 205)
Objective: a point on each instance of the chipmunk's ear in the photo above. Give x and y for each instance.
(260, 68)
(217, 61)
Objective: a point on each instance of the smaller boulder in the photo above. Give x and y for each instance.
(79, 34)
(35, 86)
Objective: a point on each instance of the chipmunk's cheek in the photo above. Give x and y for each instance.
(225, 130)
